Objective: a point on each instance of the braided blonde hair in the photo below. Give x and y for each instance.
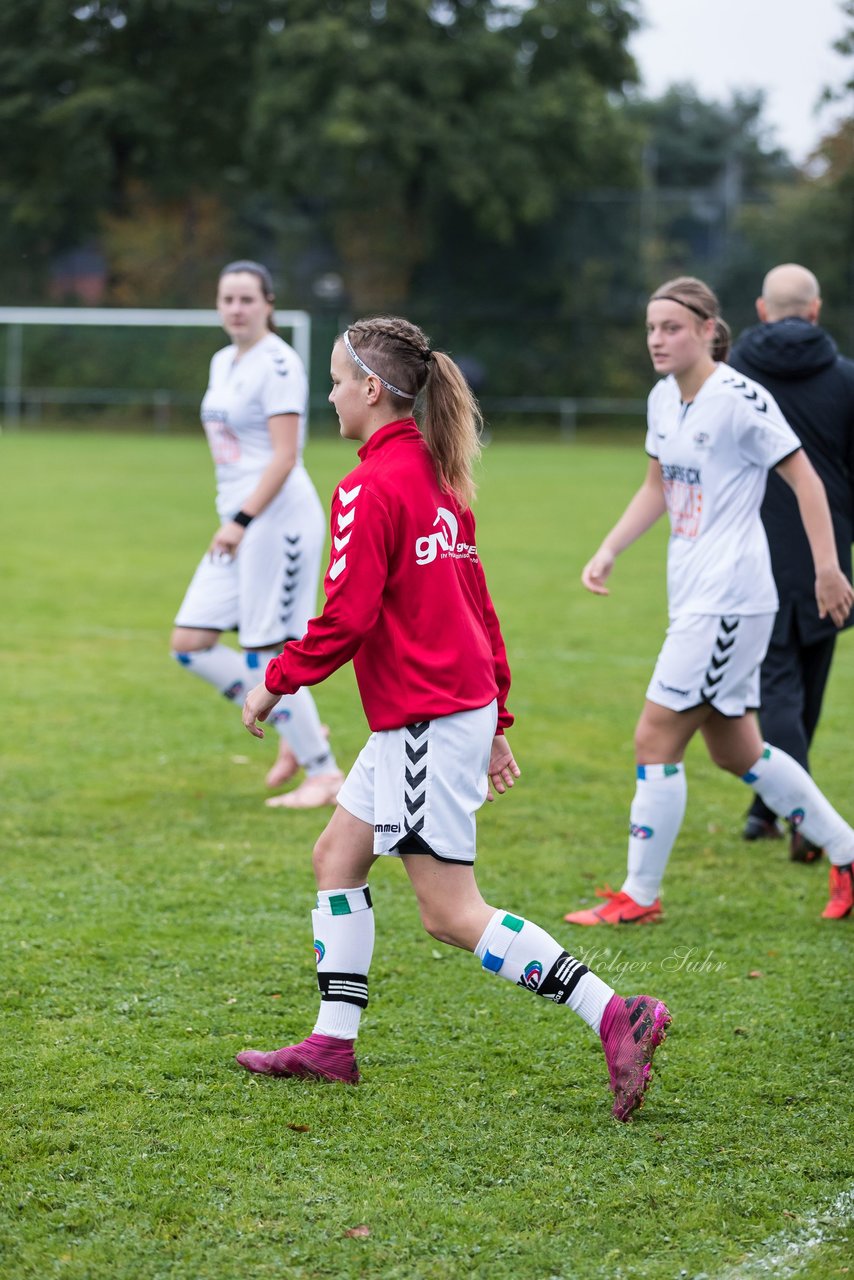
(450, 418)
(699, 298)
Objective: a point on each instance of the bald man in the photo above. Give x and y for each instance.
(791, 355)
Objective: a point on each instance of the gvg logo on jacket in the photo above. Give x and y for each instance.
(443, 543)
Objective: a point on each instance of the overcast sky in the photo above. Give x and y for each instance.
(781, 46)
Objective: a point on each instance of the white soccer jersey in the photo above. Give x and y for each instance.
(715, 454)
(268, 380)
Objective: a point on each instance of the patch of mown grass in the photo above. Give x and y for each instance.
(155, 921)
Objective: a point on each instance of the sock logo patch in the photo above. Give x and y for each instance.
(319, 950)
(796, 817)
(639, 832)
(532, 976)
(562, 979)
(347, 988)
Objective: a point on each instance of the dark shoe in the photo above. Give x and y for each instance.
(760, 829)
(803, 850)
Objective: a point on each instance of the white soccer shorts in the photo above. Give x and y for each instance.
(268, 591)
(420, 787)
(711, 659)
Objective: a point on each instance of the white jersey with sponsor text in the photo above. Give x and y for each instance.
(715, 454)
(242, 394)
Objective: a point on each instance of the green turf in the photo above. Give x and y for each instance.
(155, 921)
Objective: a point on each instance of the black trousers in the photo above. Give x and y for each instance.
(793, 680)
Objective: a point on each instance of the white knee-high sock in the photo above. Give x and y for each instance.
(524, 953)
(295, 719)
(658, 808)
(343, 945)
(789, 790)
(220, 666)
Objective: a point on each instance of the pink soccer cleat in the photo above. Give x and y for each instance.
(631, 1031)
(318, 1057)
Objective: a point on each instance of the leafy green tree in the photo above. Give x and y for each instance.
(113, 94)
(702, 161)
(374, 116)
(811, 220)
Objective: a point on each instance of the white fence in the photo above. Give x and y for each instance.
(17, 397)
(18, 318)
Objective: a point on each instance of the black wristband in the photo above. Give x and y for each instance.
(243, 518)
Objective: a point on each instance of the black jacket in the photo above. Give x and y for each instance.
(814, 386)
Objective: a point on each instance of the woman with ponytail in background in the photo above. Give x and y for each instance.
(712, 437)
(407, 601)
(259, 574)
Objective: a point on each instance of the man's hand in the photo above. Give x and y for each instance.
(258, 705)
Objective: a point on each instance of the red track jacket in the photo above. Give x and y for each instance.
(406, 596)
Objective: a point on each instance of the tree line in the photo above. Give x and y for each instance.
(487, 166)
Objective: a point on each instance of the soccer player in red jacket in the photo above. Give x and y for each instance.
(407, 602)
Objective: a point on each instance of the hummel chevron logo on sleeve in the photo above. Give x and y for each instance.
(741, 385)
(345, 519)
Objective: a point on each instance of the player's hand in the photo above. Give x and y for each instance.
(258, 705)
(226, 540)
(596, 572)
(503, 769)
(834, 596)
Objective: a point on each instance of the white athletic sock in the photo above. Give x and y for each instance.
(295, 719)
(220, 666)
(525, 954)
(789, 790)
(658, 808)
(343, 944)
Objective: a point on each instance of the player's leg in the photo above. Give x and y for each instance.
(454, 912)
(442, 786)
(675, 707)
(278, 569)
(343, 925)
(209, 607)
(657, 811)
(736, 745)
(781, 714)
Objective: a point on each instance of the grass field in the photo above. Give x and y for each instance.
(155, 921)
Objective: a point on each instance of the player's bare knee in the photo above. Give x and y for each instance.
(730, 762)
(184, 641)
(439, 925)
(321, 858)
(645, 745)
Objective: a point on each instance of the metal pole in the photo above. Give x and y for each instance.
(12, 391)
(568, 418)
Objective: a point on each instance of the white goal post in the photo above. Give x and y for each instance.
(299, 323)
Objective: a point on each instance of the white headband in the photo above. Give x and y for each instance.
(395, 391)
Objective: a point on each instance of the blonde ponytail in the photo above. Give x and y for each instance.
(398, 353)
